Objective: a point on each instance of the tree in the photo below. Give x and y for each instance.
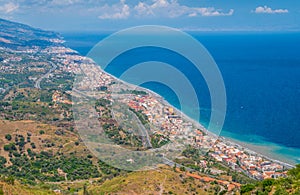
(10, 147)
(247, 188)
(42, 132)
(8, 137)
(280, 191)
(295, 172)
(2, 160)
(223, 192)
(85, 192)
(266, 184)
(182, 168)
(10, 180)
(174, 167)
(33, 145)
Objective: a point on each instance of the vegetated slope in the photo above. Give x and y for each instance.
(280, 186)
(16, 35)
(17, 189)
(161, 181)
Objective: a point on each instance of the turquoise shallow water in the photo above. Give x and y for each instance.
(261, 72)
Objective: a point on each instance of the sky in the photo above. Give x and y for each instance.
(188, 15)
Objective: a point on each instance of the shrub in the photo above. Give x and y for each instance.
(33, 145)
(10, 147)
(8, 137)
(2, 160)
(247, 188)
(42, 132)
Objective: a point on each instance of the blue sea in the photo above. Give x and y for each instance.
(261, 72)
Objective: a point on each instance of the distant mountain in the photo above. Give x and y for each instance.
(14, 35)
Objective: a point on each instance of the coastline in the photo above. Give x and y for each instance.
(250, 148)
(247, 147)
(266, 149)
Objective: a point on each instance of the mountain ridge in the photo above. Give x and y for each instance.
(14, 35)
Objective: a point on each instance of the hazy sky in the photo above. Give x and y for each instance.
(96, 15)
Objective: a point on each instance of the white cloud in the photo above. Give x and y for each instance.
(172, 9)
(210, 11)
(9, 7)
(120, 10)
(65, 2)
(194, 14)
(268, 10)
(160, 3)
(143, 9)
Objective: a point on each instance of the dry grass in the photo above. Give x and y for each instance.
(67, 140)
(160, 181)
(18, 189)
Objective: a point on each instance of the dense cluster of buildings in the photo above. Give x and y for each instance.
(250, 163)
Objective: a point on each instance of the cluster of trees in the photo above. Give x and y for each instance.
(25, 109)
(45, 168)
(113, 132)
(30, 167)
(134, 92)
(142, 117)
(16, 148)
(102, 102)
(158, 140)
(12, 79)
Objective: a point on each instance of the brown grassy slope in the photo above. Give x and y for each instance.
(161, 181)
(62, 142)
(18, 189)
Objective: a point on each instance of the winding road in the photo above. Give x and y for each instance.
(38, 81)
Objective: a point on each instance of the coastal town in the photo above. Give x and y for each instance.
(69, 126)
(168, 121)
(164, 119)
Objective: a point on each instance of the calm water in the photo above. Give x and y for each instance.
(261, 72)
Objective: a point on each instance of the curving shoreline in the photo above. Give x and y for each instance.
(229, 141)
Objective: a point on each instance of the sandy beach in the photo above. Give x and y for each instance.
(264, 151)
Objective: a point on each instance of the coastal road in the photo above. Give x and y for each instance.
(38, 81)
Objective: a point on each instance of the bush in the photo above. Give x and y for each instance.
(42, 132)
(247, 188)
(280, 191)
(182, 168)
(267, 183)
(10, 147)
(10, 180)
(8, 137)
(33, 145)
(2, 160)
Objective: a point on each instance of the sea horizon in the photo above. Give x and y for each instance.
(249, 135)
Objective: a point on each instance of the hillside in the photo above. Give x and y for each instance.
(15, 35)
(15, 189)
(281, 186)
(161, 181)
